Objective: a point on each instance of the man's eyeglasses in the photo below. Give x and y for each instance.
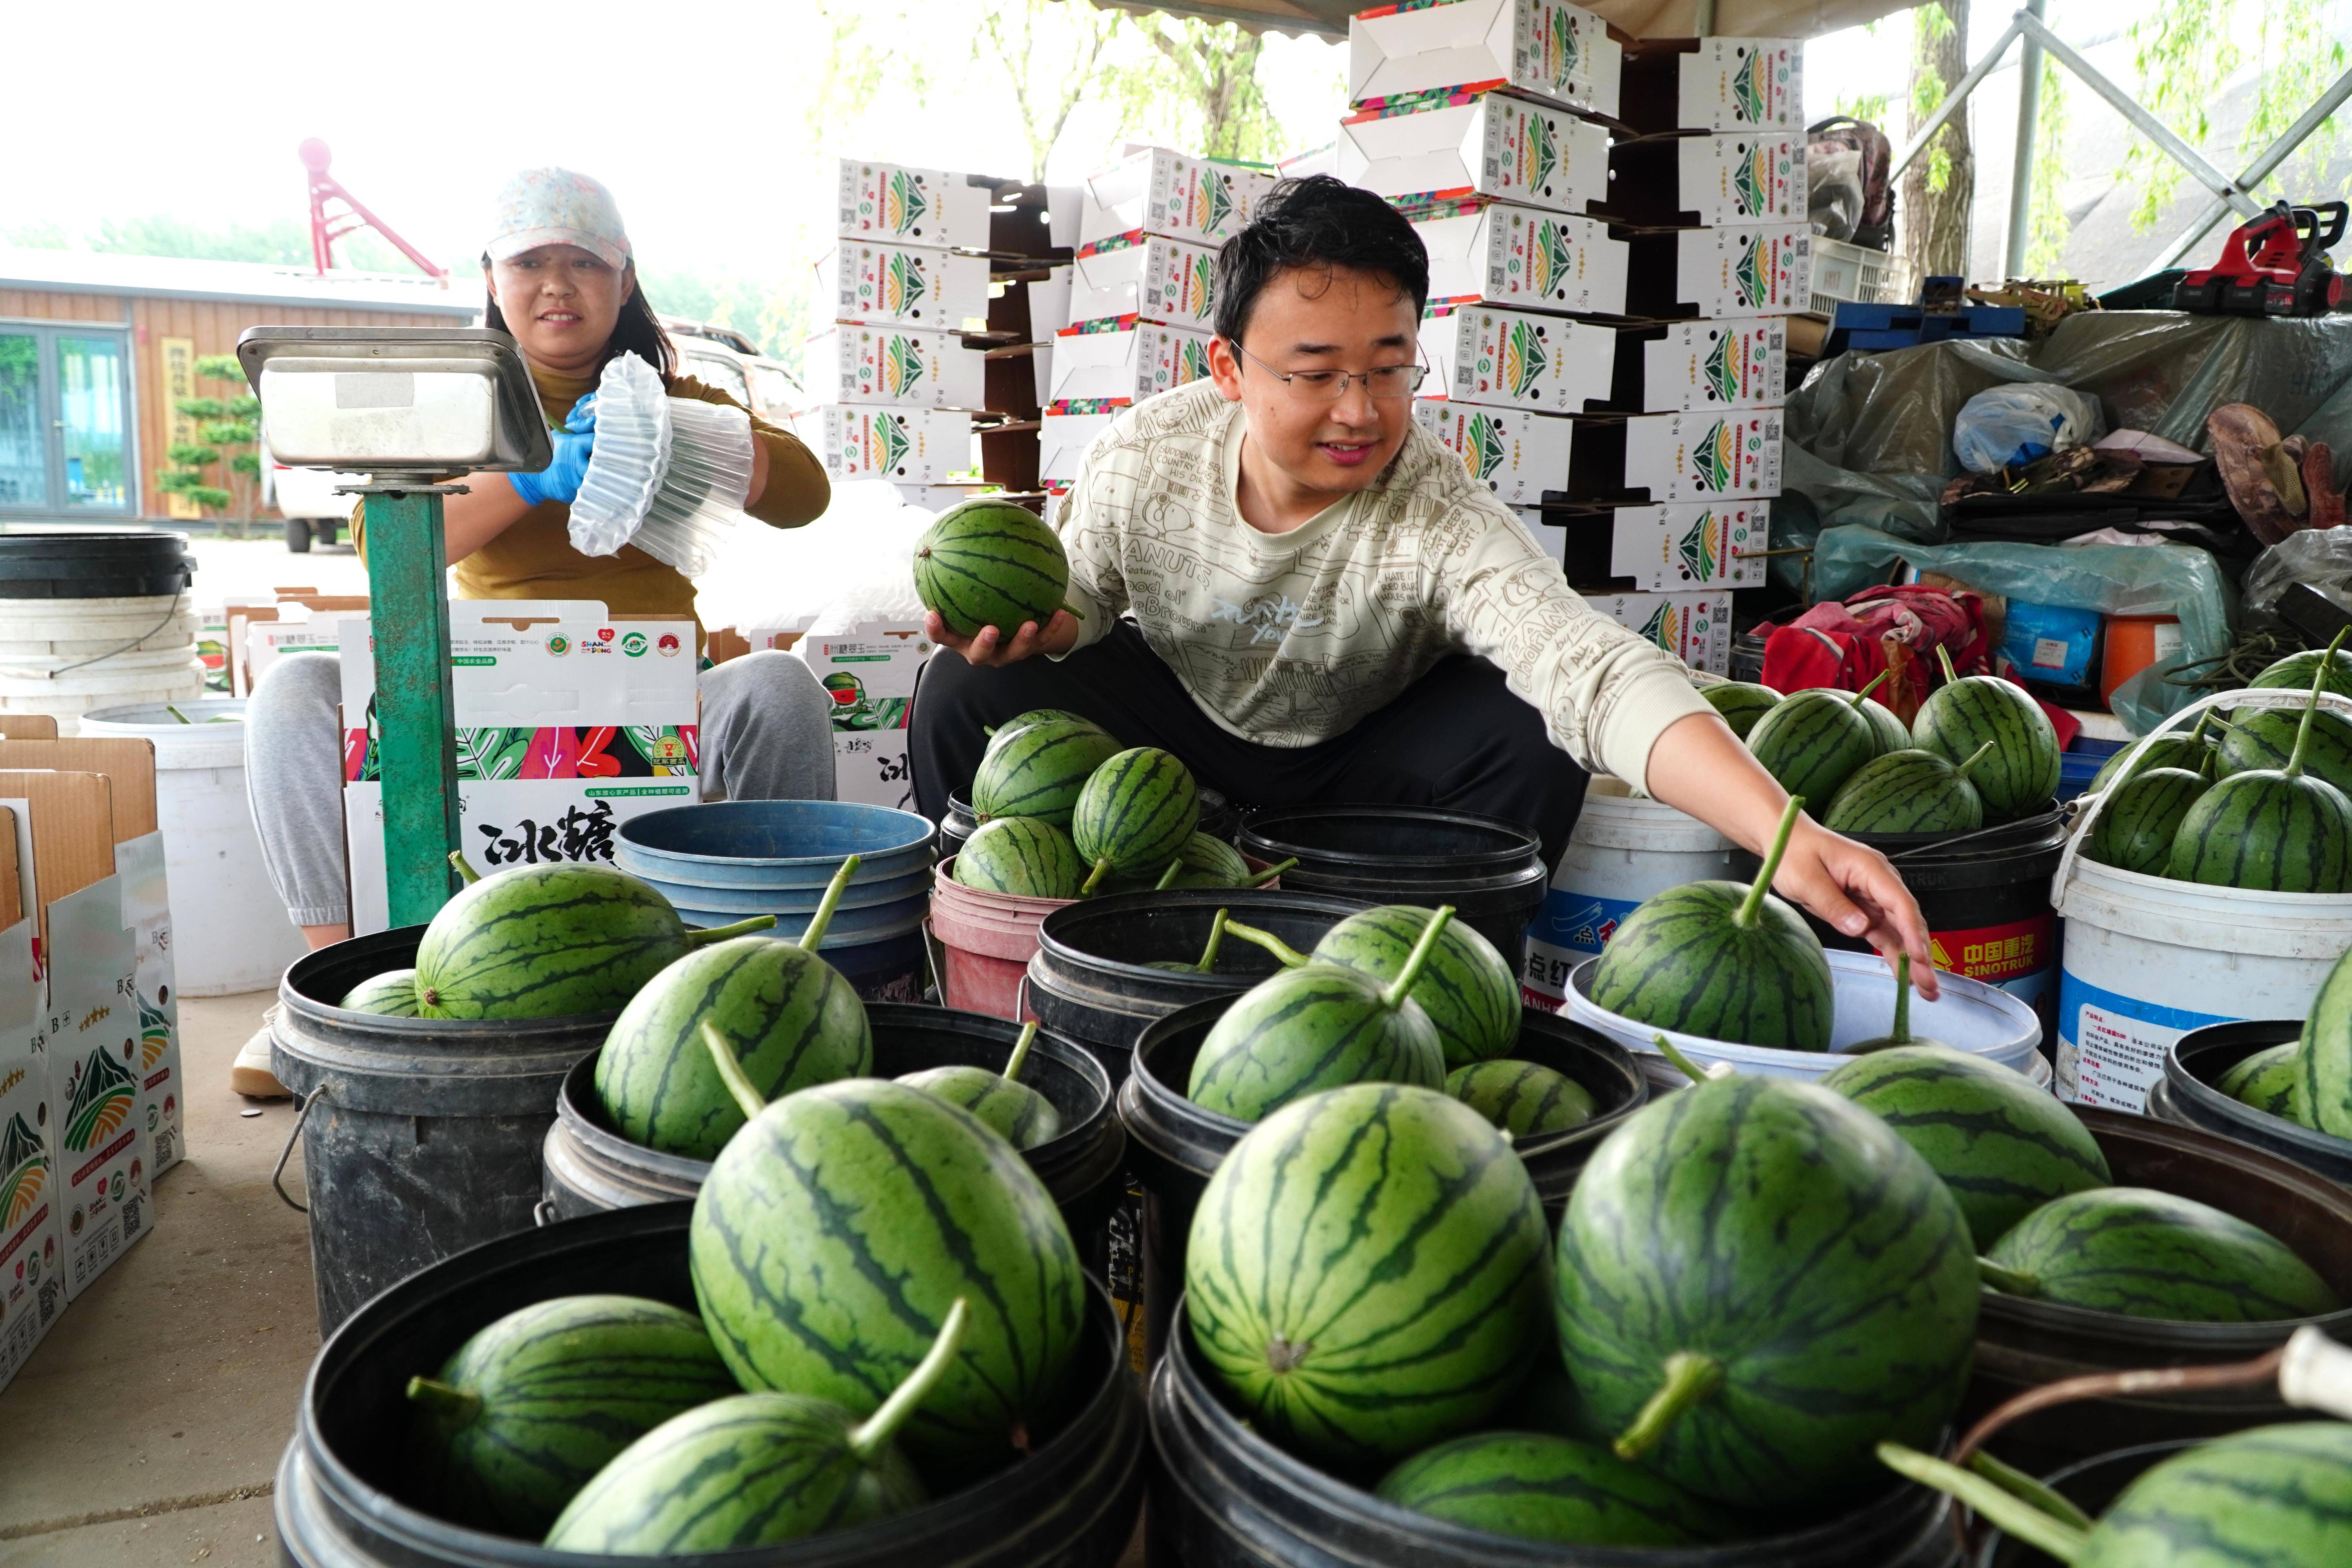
(1330, 386)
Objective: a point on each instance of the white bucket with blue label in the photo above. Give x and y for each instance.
(1625, 848)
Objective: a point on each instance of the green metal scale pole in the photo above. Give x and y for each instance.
(409, 620)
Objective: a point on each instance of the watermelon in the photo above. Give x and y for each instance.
(1010, 1108)
(1899, 1033)
(1139, 809)
(542, 941)
(2276, 830)
(1469, 993)
(788, 1016)
(2275, 1496)
(391, 995)
(2296, 671)
(1544, 1487)
(1741, 703)
(989, 563)
(1365, 1273)
(757, 1469)
(2266, 740)
(1038, 771)
(1758, 1282)
(1003, 732)
(2323, 1054)
(1215, 857)
(2271, 1081)
(2146, 1254)
(2002, 1146)
(2190, 751)
(1187, 878)
(1022, 856)
(836, 1230)
(1722, 961)
(1207, 963)
(1910, 792)
(1521, 1098)
(1815, 739)
(1318, 1026)
(533, 1405)
(1962, 715)
(2142, 817)
(1893, 734)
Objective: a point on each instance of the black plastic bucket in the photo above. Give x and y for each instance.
(1174, 1146)
(2186, 1095)
(2023, 1345)
(1490, 870)
(420, 1136)
(1092, 978)
(2090, 1485)
(127, 563)
(345, 1497)
(590, 1167)
(1218, 820)
(1223, 1497)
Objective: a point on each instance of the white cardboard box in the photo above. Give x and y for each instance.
(897, 367)
(899, 285)
(1694, 627)
(910, 207)
(1560, 51)
(1139, 276)
(1680, 548)
(1093, 371)
(32, 1236)
(1062, 440)
(1323, 160)
(1480, 355)
(1750, 272)
(1165, 192)
(870, 673)
(1517, 454)
(1715, 84)
(1487, 144)
(1522, 258)
(907, 446)
(1049, 302)
(1724, 181)
(1725, 362)
(1703, 456)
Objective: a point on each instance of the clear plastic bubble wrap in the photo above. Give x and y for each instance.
(667, 475)
(625, 466)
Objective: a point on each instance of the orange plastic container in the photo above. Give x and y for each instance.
(2134, 642)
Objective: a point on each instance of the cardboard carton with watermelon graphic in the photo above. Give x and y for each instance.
(870, 672)
(1689, 547)
(1694, 627)
(1398, 54)
(897, 367)
(1714, 84)
(1483, 143)
(904, 446)
(32, 1238)
(1744, 177)
(1524, 258)
(1506, 358)
(1751, 270)
(902, 286)
(1142, 278)
(1703, 456)
(1516, 453)
(898, 205)
(1096, 372)
(1204, 201)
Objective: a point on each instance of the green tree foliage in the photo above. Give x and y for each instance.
(1939, 188)
(1049, 52)
(230, 430)
(1197, 88)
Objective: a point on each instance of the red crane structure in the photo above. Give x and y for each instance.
(325, 228)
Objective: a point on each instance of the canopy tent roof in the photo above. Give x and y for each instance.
(1639, 18)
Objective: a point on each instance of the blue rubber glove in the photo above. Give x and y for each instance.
(559, 480)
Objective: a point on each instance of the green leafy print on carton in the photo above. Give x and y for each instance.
(1715, 458)
(1551, 257)
(1562, 54)
(1751, 278)
(1726, 372)
(903, 203)
(492, 753)
(1483, 444)
(1523, 357)
(1749, 97)
(1664, 628)
(1191, 361)
(154, 1033)
(1752, 180)
(99, 1098)
(1538, 153)
(902, 365)
(902, 283)
(24, 1172)
(1702, 549)
(885, 443)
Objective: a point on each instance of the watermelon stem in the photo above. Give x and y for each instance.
(1208, 964)
(1751, 908)
(1876, 682)
(1974, 758)
(1945, 654)
(465, 868)
(456, 1406)
(1075, 614)
(1102, 870)
(1683, 1064)
(2293, 769)
(1287, 955)
(1020, 1051)
(2008, 1281)
(820, 921)
(1271, 872)
(868, 1436)
(2014, 1514)
(730, 1071)
(1690, 1378)
(720, 933)
(1418, 959)
(2016, 1482)
(1169, 875)
(1901, 1034)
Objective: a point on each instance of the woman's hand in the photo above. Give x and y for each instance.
(992, 649)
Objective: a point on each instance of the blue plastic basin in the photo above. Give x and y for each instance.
(773, 844)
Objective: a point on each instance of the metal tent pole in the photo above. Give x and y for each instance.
(2274, 155)
(2029, 127)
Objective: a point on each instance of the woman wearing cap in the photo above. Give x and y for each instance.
(561, 280)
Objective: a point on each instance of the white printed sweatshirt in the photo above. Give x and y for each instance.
(1289, 640)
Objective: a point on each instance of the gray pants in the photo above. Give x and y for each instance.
(767, 734)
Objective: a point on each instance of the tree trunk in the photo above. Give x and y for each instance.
(1941, 186)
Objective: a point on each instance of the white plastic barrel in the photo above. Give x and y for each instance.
(66, 656)
(1625, 848)
(230, 932)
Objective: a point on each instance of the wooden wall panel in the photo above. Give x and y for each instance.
(41, 305)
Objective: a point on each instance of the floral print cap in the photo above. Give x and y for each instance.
(556, 206)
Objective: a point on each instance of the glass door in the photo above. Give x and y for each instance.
(65, 421)
(24, 432)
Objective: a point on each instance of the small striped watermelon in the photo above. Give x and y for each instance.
(1020, 722)
(2142, 817)
(788, 1015)
(1139, 809)
(1009, 1106)
(2296, 672)
(1213, 858)
(541, 941)
(757, 1469)
(1722, 961)
(1469, 991)
(2323, 1054)
(989, 563)
(1022, 856)
(1543, 1488)
(2266, 740)
(533, 1405)
(1962, 714)
(2191, 752)
(837, 1229)
(1365, 1273)
(2274, 830)
(1759, 1283)
(1741, 703)
(391, 995)
(1909, 792)
(1039, 771)
(2146, 1254)
(2003, 1147)
(2271, 1081)
(1521, 1098)
(1814, 740)
(1893, 734)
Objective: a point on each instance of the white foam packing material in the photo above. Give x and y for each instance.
(699, 505)
(854, 563)
(625, 466)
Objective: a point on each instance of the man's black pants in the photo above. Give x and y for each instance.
(1456, 738)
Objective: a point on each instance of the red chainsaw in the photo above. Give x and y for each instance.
(2276, 265)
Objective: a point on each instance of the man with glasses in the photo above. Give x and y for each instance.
(1292, 587)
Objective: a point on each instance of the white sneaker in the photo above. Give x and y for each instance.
(250, 1075)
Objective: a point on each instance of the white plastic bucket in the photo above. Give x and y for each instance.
(65, 657)
(1624, 848)
(230, 930)
(1970, 1015)
(2147, 959)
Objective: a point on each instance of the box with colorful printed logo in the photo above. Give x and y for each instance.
(1694, 627)
(1155, 191)
(898, 367)
(1094, 371)
(870, 672)
(1517, 453)
(905, 446)
(1703, 456)
(1763, 270)
(1687, 547)
(1714, 84)
(892, 203)
(902, 286)
(1477, 144)
(1746, 177)
(1526, 258)
(32, 1238)
(1419, 48)
(1727, 363)
(1479, 355)
(1139, 277)
(1062, 440)
(569, 721)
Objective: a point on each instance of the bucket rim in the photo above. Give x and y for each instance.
(1054, 931)
(1521, 844)
(634, 829)
(945, 889)
(2255, 1034)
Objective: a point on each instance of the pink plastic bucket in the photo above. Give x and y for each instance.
(984, 944)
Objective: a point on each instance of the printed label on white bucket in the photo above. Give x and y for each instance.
(2111, 1048)
(1570, 927)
